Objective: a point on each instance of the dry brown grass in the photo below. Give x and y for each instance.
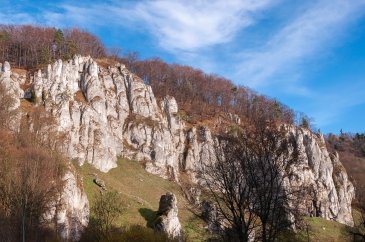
(106, 62)
(80, 97)
(136, 120)
(26, 106)
(19, 71)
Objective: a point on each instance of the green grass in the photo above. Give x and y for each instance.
(319, 230)
(141, 193)
(325, 230)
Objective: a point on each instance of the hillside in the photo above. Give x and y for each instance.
(201, 96)
(141, 192)
(101, 113)
(146, 127)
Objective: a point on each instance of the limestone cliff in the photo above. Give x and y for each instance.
(333, 192)
(110, 112)
(70, 213)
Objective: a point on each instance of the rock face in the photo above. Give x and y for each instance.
(167, 220)
(70, 213)
(72, 216)
(11, 83)
(332, 191)
(212, 217)
(109, 112)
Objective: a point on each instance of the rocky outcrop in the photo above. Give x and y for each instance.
(212, 217)
(167, 220)
(110, 112)
(100, 183)
(71, 211)
(73, 215)
(332, 192)
(11, 83)
(345, 192)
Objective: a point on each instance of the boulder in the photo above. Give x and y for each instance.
(212, 217)
(167, 220)
(100, 183)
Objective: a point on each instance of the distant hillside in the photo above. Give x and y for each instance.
(351, 148)
(200, 95)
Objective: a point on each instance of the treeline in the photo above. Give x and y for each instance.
(351, 149)
(203, 95)
(29, 46)
(348, 142)
(200, 95)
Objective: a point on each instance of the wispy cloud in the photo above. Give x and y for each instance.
(16, 18)
(176, 25)
(188, 27)
(309, 34)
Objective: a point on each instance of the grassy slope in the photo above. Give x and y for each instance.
(320, 229)
(141, 192)
(325, 230)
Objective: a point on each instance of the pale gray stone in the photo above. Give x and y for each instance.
(106, 113)
(167, 220)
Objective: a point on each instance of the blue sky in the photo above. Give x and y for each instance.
(308, 54)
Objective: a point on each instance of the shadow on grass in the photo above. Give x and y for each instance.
(149, 215)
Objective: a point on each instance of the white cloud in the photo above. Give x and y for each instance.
(179, 26)
(306, 36)
(16, 18)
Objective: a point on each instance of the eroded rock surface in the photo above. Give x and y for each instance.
(325, 175)
(167, 220)
(71, 212)
(212, 217)
(110, 112)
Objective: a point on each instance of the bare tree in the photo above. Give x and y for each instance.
(30, 184)
(247, 181)
(30, 178)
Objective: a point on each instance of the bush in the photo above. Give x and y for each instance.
(108, 207)
(137, 233)
(134, 233)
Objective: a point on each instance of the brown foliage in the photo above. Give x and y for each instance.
(351, 149)
(30, 177)
(203, 95)
(30, 46)
(30, 184)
